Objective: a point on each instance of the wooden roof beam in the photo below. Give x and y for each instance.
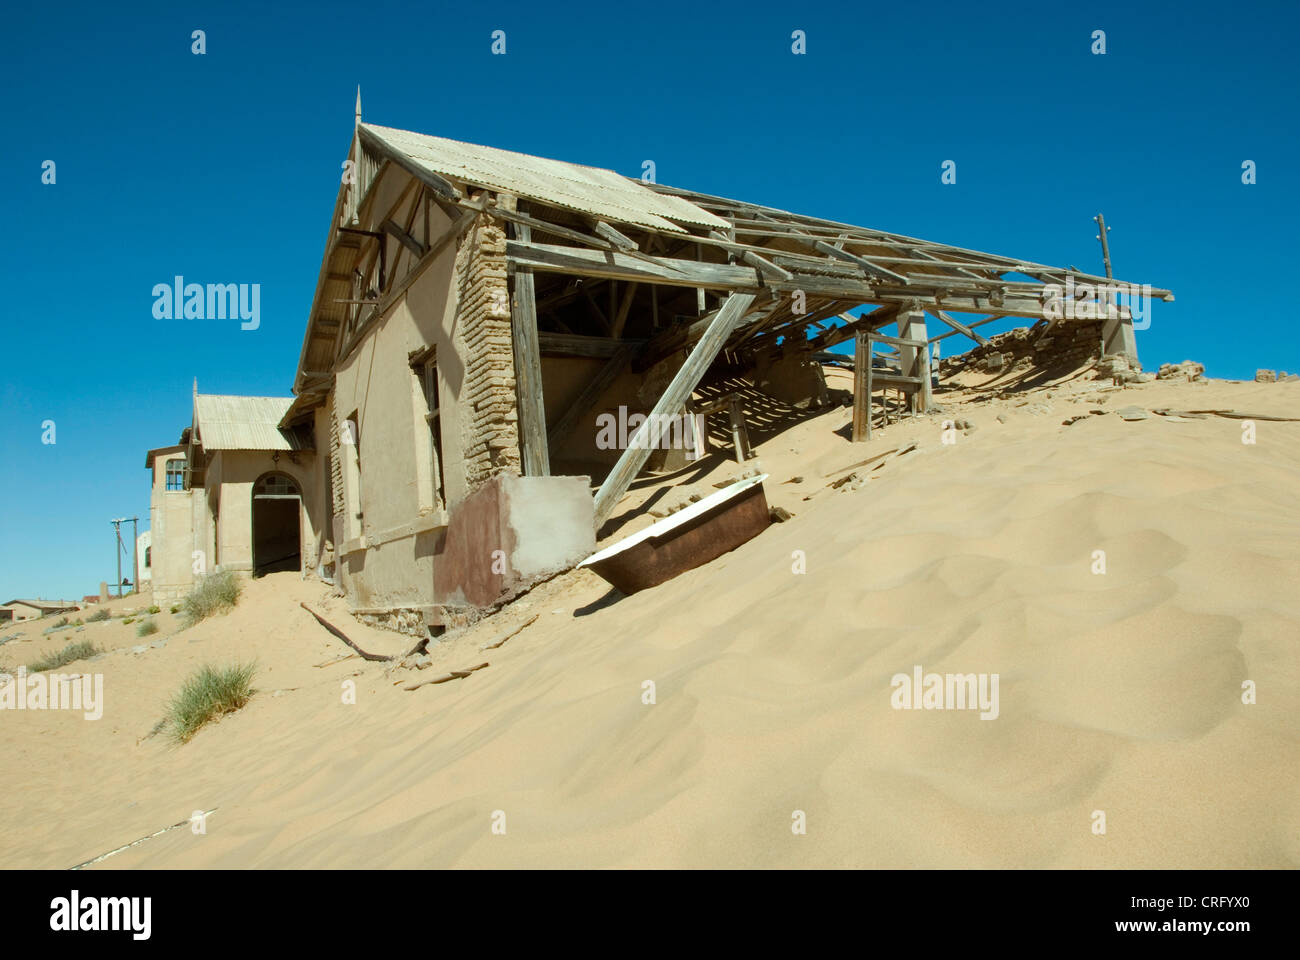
(958, 326)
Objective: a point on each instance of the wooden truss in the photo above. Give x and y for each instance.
(638, 296)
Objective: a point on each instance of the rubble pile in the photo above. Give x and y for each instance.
(1068, 345)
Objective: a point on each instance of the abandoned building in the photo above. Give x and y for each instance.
(18, 611)
(478, 310)
(236, 493)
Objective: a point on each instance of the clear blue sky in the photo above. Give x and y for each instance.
(224, 168)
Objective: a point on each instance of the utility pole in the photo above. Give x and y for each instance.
(135, 554)
(1102, 230)
(117, 537)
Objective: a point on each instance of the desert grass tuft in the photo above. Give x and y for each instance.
(73, 651)
(98, 616)
(208, 694)
(146, 628)
(214, 593)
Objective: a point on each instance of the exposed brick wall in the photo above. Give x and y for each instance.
(1069, 345)
(490, 434)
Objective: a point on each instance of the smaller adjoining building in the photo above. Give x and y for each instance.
(235, 493)
(144, 550)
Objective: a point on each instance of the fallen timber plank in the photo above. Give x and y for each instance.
(374, 657)
(673, 400)
(884, 458)
(443, 678)
(1229, 414)
(509, 633)
(134, 843)
(330, 663)
(862, 463)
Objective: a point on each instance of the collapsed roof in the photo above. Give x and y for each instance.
(667, 239)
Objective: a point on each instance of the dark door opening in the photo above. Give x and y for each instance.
(277, 538)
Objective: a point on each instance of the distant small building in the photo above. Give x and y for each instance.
(236, 493)
(16, 611)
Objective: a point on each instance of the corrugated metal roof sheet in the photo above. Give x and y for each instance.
(45, 604)
(601, 193)
(242, 423)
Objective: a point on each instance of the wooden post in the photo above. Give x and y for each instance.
(1102, 229)
(739, 432)
(673, 400)
(915, 361)
(528, 372)
(862, 387)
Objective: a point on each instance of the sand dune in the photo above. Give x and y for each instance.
(1119, 692)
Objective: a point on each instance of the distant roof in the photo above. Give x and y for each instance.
(243, 423)
(593, 190)
(44, 604)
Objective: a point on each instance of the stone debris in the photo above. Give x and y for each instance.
(1119, 369)
(1069, 346)
(779, 514)
(1265, 376)
(1187, 370)
(1132, 413)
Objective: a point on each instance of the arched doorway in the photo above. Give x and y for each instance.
(277, 541)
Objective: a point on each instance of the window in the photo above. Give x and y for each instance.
(434, 422)
(350, 440)
(148, 557)
(275, 486)
(175, 474)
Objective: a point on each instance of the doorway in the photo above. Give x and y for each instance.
(277, 539)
